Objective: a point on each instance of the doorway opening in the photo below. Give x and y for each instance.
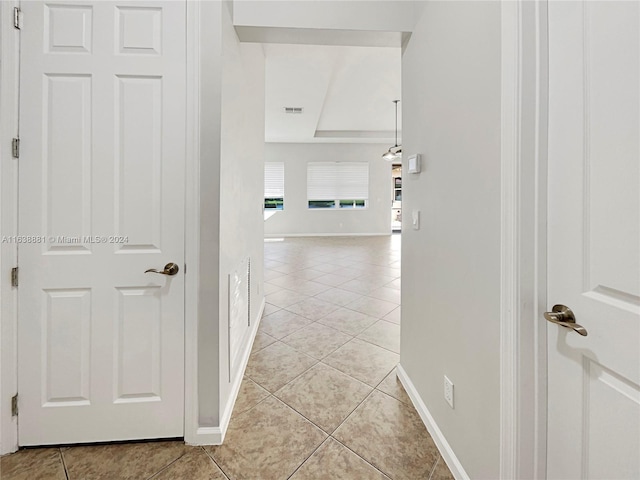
(332, 264)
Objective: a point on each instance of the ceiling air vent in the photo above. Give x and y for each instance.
(293, 109)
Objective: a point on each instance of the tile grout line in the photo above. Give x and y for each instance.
(361, 457)
(435, 464)
(347, 418)
(323, 363)
(374, 389)
(167, 465)
(258, 403)
(206, 452)
(352, 337)
(64, 464)
(330, 287)
(412, 407)
(366, 295)
(314, 423)
(375, 344)
(378, 319)
(310, 455)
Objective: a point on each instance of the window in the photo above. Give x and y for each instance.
(337, 185)
(274, 185)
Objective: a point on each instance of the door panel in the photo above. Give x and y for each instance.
(66, 159)
(594, 239)
(67, 346)
(139, 154)
(101, 353)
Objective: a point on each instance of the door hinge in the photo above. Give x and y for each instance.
(15, 147)
(14, 405)
(17, 18)
(185, 268)
(14, 277)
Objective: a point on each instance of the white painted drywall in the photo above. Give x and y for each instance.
(241, 187)
(231, 195)
(377, 15)
(341, 89)
(297, 219)
(451, 266)
(209, 221)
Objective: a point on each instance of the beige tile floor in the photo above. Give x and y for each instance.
(320, 398)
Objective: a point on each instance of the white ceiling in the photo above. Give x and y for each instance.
(347, 93)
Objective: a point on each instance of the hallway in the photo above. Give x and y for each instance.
(319, 399)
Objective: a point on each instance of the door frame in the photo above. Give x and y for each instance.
(523, 337)
(9, 45)
(9, 88)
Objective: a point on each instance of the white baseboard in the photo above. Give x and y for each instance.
(445, 449)
(215, 435)
(207, 436)
(343, 234)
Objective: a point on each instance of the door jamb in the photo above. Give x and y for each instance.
(9, 56)
(192, 224)
(523, 369)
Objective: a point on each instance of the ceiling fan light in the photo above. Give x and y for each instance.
(394, 152)
(389, 155)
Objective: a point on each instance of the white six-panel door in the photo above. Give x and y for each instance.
(594, 239)
(102, 110)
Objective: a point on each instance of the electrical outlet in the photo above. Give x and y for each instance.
(448, 391)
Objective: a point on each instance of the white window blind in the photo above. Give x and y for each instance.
(274, 180)
(337, 181)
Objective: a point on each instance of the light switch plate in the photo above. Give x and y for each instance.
(413, 163)
(415, 219)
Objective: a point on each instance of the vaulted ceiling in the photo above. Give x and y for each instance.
(346, 93)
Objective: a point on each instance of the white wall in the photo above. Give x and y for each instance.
(241, 190)
(377, 15)
(297, 219)
(451, 267)
(208, 218)
(231, 176)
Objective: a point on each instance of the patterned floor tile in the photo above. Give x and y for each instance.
(268, 442)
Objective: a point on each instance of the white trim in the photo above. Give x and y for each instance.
(523, 240)
(343, 234)
(226, 416)
(215, 435)
(9, 80)
(509, 240)
(192, 224)
(539, 325)
(444, 448)
(206, 436)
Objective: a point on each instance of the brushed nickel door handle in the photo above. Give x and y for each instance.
(562, 315)
(169, 269)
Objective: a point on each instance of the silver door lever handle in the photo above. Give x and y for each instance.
(169, 269)
(562, 315)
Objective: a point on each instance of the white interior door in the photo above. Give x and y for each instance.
(594, 239)
(102, 138)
